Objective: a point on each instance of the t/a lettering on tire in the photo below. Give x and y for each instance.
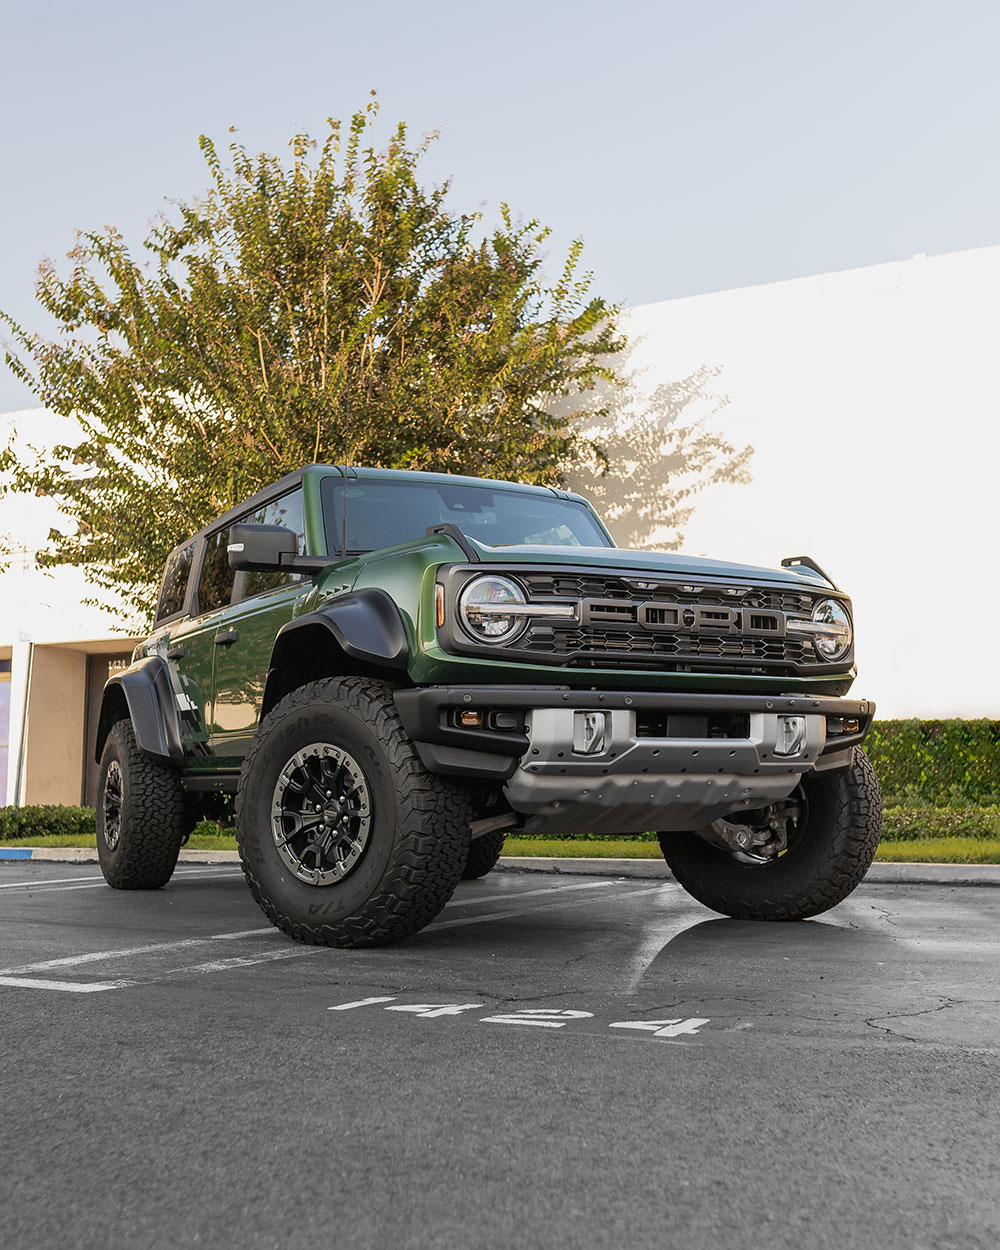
(344, 837)
(822, 865)
(140, 815)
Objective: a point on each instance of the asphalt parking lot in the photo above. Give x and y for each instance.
(555, 1062)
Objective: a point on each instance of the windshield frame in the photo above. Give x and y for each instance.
(331, 488)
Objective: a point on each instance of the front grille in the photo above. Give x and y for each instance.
(671, 626)
(583, 585)
(638, 648)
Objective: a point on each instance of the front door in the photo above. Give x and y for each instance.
(263, 603)
(241, 665)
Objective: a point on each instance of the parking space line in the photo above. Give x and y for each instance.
(524, 911)
(97, 885)
(20, 885)
(552, 889)
(237, 961)
(72, 961)
(70, 987)
(97, 879)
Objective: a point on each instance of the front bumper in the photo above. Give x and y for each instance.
(652, 768)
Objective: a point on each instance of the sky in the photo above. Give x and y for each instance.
(695, 147)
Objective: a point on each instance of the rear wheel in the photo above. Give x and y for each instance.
(140, 815)
(483, 855)
(826, 856)
(344, 837)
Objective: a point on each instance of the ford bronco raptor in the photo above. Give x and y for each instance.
(387, 671)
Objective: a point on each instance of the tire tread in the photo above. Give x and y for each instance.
(432, 839)
(153, 828)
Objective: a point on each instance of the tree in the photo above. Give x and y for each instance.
(326, 309)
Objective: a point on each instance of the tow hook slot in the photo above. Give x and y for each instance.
(590, 731)
(791, 735)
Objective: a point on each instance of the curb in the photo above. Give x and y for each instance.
(641, 869)
(88, 855)
(656, 869)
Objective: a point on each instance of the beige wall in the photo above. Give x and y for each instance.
(56, 708)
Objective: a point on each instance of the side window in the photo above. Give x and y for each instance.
(175, 580)
(215, 587)
(286, 511)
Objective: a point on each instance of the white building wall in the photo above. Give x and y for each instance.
(872, 399)
(47, 630)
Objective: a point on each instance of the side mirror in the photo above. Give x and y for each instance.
(259, 548)
(269, 549)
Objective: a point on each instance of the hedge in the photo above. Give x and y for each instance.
(37, 822)
(944, 763)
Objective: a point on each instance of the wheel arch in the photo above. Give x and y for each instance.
(360, 634)
(142, 694)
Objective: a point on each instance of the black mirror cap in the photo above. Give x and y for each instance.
(261, 548)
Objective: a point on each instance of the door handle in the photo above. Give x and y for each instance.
(227, 637)
(175, 653)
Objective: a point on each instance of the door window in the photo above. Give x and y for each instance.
(175, 580)
(215, 586)
(286, 511)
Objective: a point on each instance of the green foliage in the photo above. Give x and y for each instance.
(940, 851)
(907, 822)
(42, 822)
(302, 311)
(937, 762)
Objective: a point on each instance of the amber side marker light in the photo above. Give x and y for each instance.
(439, 604)
(470, 720)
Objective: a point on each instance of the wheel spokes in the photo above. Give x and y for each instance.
(321, 813)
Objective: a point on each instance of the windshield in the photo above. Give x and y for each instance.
(383, 512)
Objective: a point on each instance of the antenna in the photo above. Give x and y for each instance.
(347, 419)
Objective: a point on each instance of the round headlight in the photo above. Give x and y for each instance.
(481, 609)
(836, 643)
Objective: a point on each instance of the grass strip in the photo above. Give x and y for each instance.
(914, 851)
(954, 850)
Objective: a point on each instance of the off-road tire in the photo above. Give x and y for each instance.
(151, 815)
(419, 832)
(483, 855)
(821, 867)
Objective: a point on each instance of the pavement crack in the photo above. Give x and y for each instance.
(873, 1021)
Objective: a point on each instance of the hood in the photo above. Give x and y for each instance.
(662, 563)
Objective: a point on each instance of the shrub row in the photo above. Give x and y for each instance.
(906, 823)
(945, 763)
(39, 822)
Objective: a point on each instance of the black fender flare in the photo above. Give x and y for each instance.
(366, 626)
(144, 692)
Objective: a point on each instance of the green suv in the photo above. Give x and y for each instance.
(391, 670)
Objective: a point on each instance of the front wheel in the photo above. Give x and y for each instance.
(344, 837)
(825, 860)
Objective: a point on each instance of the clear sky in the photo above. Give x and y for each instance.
(696, 145)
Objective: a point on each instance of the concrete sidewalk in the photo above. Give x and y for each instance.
(640, 869)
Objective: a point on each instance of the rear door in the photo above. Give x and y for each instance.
(193, 646)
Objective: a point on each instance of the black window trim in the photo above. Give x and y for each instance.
(189, 588)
